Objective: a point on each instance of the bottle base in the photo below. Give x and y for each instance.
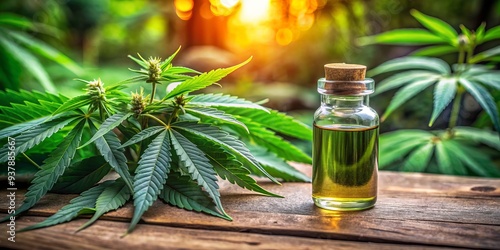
(345, 204)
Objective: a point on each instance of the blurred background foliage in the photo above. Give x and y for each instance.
(290, 41)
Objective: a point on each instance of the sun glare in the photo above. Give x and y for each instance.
(256, 22)
(254, 11)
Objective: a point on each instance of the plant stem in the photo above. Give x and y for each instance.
(153, 92)
(32, 161)
(174, 114)
(461, 56)
(156, 119)
(455, 110)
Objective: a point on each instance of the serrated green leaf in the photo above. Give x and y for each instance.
(444, 92)
(112, 197)
(215, 114)
(182, 70)
(276, 166)
(108, 125)
(140, 62)
(53, 167)
(197, 165)
(29, 62)
(22, 127)
(406, 93)
(151, 175)
(227, 166)
(220, 100)
(476, 160)
(406, 63)
(110, 148)
(477, 135)
(34, 136)
(437, 50)
(395, 145)
(144, 134)
(83, 203)
(491, 34)
(277, 121)
(400, 79)
(82, 175)
(484, 99)
(402, 37)
(275, 143)
(436, 25)
(418, 160)
(169, 60)
(225, 140)
(487, 78)
(387, 157)
(182, 192)
(74, 103)
(485, 55)
(202, 81)
(447, 161)
(46, 51)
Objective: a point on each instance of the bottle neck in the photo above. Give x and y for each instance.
(344, 101)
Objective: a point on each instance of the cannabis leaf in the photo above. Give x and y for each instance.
(151, 175)
(228, 168)
(198, 166)
(182, 192)
(54, 167)
(83, 204)
(109, 124)
(113, 196)
(202, 81)
(110, 148)
(220, 101)
(34, 136)
(228, 142)
(215, 114)
(82, 175)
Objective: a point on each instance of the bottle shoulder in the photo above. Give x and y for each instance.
(363, 115)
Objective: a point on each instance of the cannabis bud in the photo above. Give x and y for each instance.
(138, 102)
(154, 69)
(96, 90)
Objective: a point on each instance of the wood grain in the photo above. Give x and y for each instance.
(424, 209)
(108, 235)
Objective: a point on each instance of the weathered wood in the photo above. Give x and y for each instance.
(108, 235)
(412, 209)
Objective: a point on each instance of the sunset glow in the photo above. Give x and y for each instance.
(256, 22)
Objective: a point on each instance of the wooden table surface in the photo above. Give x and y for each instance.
(412, 211)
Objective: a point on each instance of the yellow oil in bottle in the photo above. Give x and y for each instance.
(345, 166)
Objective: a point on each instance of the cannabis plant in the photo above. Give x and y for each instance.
(454, 150)
(19, 48)
(175, 147)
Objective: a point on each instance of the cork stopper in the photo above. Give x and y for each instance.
(344, 79)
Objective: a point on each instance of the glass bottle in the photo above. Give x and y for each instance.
(345, 140)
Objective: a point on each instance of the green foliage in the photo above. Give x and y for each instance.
(453, 151)
(82, 204)
(112, 197)
(174, 147)
(20, 48)
(182, 192)
(82, 175)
